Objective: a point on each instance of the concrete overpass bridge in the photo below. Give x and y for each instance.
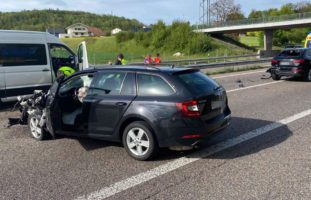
(267, 25)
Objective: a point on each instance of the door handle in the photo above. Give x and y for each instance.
(45, 70)
(121, 104)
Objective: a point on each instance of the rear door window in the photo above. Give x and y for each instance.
(22, 54)
(197, 82)
(152, 85)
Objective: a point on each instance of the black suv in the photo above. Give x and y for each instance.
(292, 63)
(144, 108)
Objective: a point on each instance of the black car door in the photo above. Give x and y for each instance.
(109, 96)
(63, 106)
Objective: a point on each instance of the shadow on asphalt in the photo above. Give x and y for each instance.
(7, 106)
(238, 127)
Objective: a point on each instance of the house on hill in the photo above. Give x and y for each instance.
(81, 30)
(95, 32)
(116, 31)
(77, 30)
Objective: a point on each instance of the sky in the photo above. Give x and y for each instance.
(146, 11)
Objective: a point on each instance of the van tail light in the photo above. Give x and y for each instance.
(297, 62)
(274, 62)
(189, 108)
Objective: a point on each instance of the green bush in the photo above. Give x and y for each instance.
(199, 43)
(177, 37)
(124, 36)
(159, 35)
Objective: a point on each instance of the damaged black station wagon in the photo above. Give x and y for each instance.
(145, 108)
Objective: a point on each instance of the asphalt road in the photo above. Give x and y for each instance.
(276, 164)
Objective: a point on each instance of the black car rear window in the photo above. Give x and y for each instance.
(197, 82)
(292, 53)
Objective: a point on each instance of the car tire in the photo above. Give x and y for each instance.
(308, 75)
(275, 76)
(139, 141)
(35, 131)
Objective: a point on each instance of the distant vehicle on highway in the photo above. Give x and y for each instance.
(29, 61)
(308, 41)
(145, 108)
(292, 63)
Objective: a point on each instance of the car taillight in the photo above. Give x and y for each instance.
(189, 108)
(297, 62)
(274, 62)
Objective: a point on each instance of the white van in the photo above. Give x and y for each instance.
(29, 61)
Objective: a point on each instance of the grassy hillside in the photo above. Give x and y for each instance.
(104, 49)
(40, 20)
(251, 41)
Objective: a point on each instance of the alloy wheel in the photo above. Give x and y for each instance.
(36, 131)
(137, 141)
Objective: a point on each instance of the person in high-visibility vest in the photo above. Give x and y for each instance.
(157, 59)
(65, 71)
(121, 60)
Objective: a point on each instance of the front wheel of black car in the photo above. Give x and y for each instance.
(36, 132)
(275, 77)
(308, 75)
(139, 141)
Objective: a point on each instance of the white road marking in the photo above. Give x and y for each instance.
(253, 86)
(240, 74)
(178, 163)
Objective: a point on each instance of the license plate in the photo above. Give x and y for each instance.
(285, 63)
(216, 104)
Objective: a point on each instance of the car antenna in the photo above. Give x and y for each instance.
(172, 66)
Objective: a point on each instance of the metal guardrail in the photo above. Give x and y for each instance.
(204, 63)
(201, 60)
(227, 64)
(290, 17)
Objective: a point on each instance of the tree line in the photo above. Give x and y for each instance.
(40, 20)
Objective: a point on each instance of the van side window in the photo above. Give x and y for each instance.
(22, 54)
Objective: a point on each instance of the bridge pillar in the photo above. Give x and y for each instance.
(268, 39)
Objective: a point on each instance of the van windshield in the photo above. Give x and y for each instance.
(198, 83)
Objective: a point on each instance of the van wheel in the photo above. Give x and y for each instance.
(275, 76)
(139, 142)
(308, 76)
(36, 132)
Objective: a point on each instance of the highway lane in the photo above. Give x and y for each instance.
(68, 168)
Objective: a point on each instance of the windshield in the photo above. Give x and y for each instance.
(198, 83)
